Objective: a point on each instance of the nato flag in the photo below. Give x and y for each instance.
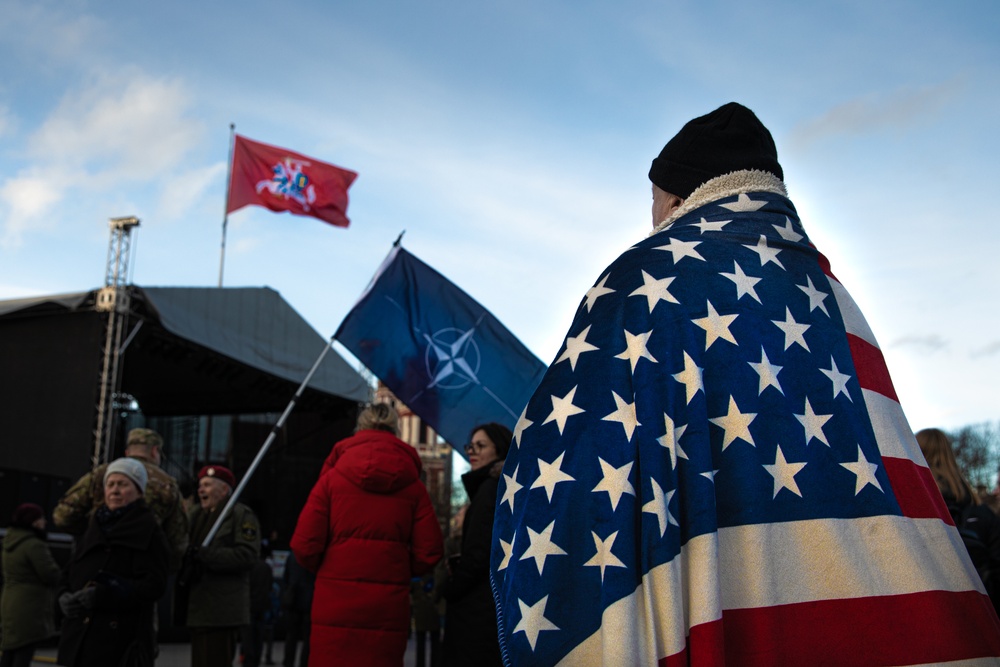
(443, 355)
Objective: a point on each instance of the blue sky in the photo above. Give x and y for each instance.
(511, 141)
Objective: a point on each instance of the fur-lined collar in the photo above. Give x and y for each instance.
(727, 185)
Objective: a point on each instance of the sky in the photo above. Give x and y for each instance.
(511, 141)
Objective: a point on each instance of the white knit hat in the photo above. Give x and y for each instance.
(132, 469)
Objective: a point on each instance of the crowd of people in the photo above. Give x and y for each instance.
(367, 534)
(681, 536)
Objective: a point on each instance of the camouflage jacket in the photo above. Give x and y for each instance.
(162, 495)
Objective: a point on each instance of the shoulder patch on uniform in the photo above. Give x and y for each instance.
(249, 530)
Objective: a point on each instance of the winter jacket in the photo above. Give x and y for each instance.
(30, 575)
(366, 529)
(127, 563)
(986, 526)
(470, 634)
(221, 595)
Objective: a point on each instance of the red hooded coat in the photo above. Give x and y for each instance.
(366, 530)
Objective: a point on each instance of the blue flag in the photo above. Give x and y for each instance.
(443, 355)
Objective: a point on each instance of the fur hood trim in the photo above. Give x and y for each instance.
(727, 185)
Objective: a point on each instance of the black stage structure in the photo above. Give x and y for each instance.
(211, 369)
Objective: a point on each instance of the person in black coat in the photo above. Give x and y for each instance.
(470, 634)
(966, 509)
(117, 573)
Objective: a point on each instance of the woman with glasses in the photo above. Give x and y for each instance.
(470, 635)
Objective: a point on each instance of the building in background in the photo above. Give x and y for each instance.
(434, 452)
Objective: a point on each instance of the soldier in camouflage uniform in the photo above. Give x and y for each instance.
(162, 495)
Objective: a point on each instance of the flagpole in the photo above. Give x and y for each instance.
(225, 216)
(234, 496)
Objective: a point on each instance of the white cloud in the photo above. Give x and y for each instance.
(182, 191)
(132, 127)
(930, 343)
(24, 201)
(124, 129)
(876, 112)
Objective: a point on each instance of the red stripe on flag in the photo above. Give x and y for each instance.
(915, 490)
(869, 363)
(707, 642)
(824, 264)
(917, 628)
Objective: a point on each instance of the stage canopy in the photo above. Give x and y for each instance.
(196, 351)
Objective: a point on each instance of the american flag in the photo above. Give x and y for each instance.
(716, 470)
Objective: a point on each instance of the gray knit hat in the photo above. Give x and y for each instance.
(132, 469)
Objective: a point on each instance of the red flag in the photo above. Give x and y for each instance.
(281, 180)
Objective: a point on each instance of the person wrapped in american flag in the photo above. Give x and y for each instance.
(715, 469)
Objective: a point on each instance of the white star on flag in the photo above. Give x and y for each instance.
(743, 203)
(813, 424)
(767, 372)
(575, 346)
(522, 423)
(542, 547)
(766, 253)
(681, 249)
(635, 348)
(614, 482)
(671, 438)
(508, 549)
(794, 331)
(625, 415)
(604, 558)
(660, 506)
(513, 486)
(716, 226)
(597, 291)
(716, 326)
(784, 473)
(744, 283)
(816, 297)
(864, 473)
(654, 290)
(563, 409)
(838, 379)
(788, 232)
(533, 620)
(690, 377)
(550, 474)
(736, 424)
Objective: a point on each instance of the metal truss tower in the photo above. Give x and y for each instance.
(113, 299)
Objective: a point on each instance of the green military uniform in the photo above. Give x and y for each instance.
(162, 495)
(219, 601)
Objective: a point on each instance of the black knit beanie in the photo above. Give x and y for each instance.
(728, 139)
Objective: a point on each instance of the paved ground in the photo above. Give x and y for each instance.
(178, 655)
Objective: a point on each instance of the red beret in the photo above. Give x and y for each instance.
(219, 473)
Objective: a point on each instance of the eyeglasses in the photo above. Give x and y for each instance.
(475, 447)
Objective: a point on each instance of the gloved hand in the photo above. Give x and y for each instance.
(71, 605)
(86, 597)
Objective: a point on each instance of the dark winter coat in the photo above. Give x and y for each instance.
(470, 631)
(981, 520)
(366, 529)
(30, 576)
(127, 563)
(220, 597)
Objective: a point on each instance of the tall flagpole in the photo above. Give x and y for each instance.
(225, 216)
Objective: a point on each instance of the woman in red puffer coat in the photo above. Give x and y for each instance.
(367, 528)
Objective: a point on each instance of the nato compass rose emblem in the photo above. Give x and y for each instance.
(451, 358)
(290, 181)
